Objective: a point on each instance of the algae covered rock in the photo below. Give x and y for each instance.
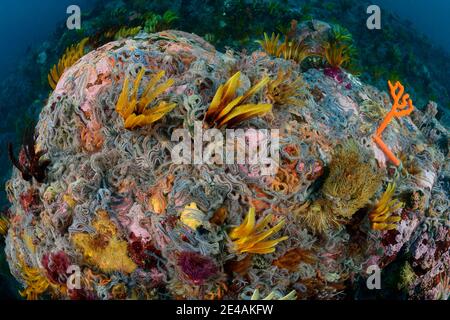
(116, 217)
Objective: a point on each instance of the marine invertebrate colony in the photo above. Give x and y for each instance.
(336, 54)
(142, 226)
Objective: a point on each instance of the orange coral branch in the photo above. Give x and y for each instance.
(401, 107)
(386, 150)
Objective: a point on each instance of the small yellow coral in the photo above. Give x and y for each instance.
(135, 111)
(104, 249)
(381, 216)
(72, 55)
(227, 109)
(249, 236)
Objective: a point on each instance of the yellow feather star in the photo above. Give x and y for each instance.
(381, 216)
(272, 45)
(4, 226)
(249, 236)
(72, 55)
(227, 109)
(134, 110)
(288, 50)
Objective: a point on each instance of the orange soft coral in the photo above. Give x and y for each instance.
(401, 107)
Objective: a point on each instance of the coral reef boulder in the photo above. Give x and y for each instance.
(131, 223)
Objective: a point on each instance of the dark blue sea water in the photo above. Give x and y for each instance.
(432, 17)
(26, 23)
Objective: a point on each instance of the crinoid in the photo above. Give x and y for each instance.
(228, 109)
(290, 49)
(126, 32)
(284, 91)
(72, 55)
(271, 45)
(336, 54)
(296, 50)
(352, 181)
(134, 110)
(4, 226)
(381, 217)
(249, 236)
(30, 163)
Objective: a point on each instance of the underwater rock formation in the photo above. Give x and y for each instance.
(139, 226)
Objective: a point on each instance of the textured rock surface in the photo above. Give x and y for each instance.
(116, 193)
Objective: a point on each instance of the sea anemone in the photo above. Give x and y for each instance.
(249, 236)
(196, 267)
(227, 109)
(288, 50)
(135, 112)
